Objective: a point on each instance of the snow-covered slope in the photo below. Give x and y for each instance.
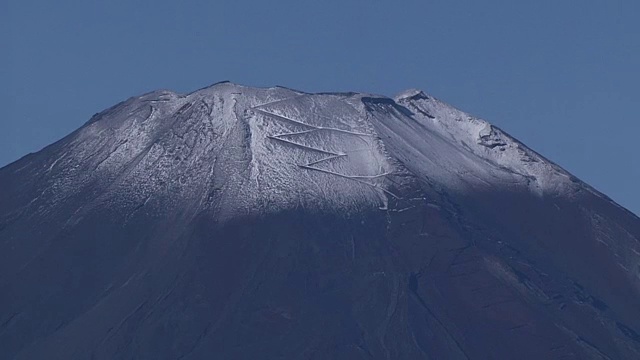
(506, 161)
(261, 149)
(270, 149)
(249, 221)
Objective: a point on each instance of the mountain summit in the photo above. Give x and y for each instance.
(245, 223)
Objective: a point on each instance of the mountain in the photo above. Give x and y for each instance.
(246, 223)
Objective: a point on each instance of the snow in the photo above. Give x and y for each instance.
(504, 160)
(259, 150)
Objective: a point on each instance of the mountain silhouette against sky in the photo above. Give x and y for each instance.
(268, 223)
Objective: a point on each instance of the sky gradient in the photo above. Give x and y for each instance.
(562, 78)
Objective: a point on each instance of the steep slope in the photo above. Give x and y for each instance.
(238, 222)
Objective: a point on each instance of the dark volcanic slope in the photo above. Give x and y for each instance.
(243, 223)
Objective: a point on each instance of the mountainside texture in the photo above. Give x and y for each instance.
(246, 223)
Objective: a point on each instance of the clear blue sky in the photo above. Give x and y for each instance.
(562, 76)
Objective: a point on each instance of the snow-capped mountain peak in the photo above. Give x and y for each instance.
(241, 222)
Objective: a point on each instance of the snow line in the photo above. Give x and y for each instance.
(305, 146)
(277, 116)
(351, 177)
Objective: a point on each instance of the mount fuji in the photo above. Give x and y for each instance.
(269, 223)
